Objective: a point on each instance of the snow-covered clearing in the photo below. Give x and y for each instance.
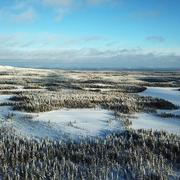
(170, 94)
(150, 121)
(154, 122)
(4, 98)
(63, 123)
(77, 123)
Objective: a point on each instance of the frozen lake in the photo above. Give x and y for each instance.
(169, 94)
(154, 122)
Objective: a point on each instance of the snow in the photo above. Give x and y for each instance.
(4, 98)
(170, 94)
(4, 111)
(154, 122)
(78, 123)
(23, 69)
(61, 124)
(101, 89)
(71, 123)
(20, 88)
(150, 121)
(6, 67)
(103, 85)
(175, 111)
(91, 122)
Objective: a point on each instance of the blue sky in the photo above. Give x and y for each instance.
(91, 32)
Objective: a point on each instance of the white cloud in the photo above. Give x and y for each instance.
(15, 41)
(26, 10)
(85, 40)
(143, 15)
(19, 11)
(26, 16)
(64, 7)
(95, 2)
(98, 2)
(49, 40)
(60, 3)
(92, 58)
(155, 38)
(60, 7)
(49, 48)
(70, 3)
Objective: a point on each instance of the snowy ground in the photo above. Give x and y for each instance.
(4, 98)
(91, 122)
(154, 122)
(60, 124)
(20, 89)
(150, 121)
(77, 123)
(170, 94)
(73, 123)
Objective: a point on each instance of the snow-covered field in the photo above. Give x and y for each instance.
(151, 121)
(64, 123)
(91, 122)
(76, 123)
(154, 122)
(20, 89)
(170, 94)
(4, 98)
(80, 122)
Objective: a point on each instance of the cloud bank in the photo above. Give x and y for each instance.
(80, 52)
(90, 58)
